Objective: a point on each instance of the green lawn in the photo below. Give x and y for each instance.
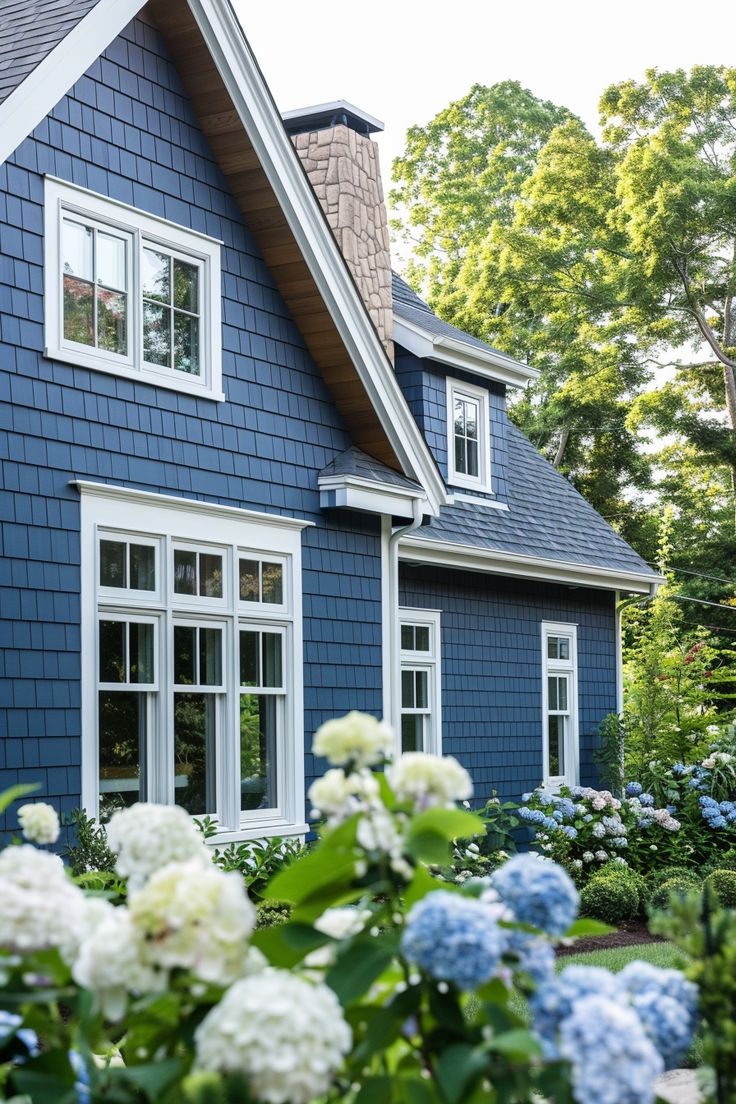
(615, 958)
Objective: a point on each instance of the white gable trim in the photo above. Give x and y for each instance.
(456, 353)
(37, 95)
(42, 89)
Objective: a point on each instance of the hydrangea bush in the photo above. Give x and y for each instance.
(386, 982)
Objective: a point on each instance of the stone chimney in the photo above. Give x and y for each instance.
(341, 160)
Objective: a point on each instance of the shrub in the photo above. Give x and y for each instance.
(613, 895)
(272, 914)
(723, 882)
(666, 874)
(724, 860)
(678, 887)
(90, 852)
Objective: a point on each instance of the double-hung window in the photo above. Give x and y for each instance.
(559, 704)
(129, 293)
(419, 632)
(468, 436)
(191, 691)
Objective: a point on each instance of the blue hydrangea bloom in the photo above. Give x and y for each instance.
(668, 1024)
(454, 939)
(81, 1084)
(678, 768)
(646, 799)
(633, 789)
(11, 1026)
(533, 816)
(555, 1000)
(566, 807)
(620, 841)
(588, 817)
(549, 823)
(569, 831)
(642, 977)
(544, 798)
(558, 815)
(613, 1062)
(536, 955)
(538, 892)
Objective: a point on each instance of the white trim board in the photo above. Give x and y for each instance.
(488, 560)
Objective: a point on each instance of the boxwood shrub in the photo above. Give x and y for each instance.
(615, 894)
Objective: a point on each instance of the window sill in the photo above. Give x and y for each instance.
(184, 386)
(258, 831)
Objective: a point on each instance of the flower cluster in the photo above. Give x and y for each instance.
(611, 1060)
(538, 892)
(146, 837)
(426, 781)
(39, 822)
(717, 814)
(39, 906)
(357, 740)
(454, 939)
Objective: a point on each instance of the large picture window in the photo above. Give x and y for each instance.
(129, 293)
(559, 698)
(421, 723)
(468, 436)
(192, 695)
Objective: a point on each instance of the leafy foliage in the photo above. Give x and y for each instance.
(614, 894)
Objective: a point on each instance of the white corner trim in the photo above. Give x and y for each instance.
(42, 89)
(87, 488)
(470, 558)
(259, 115)
(461, 354)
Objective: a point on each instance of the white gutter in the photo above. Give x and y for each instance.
(456, 353)
(391, 700)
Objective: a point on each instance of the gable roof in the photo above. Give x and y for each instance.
(549, 531)
(29, 31)
(419, 330)
(245, 132)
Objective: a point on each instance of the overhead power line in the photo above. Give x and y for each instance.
(697, 574)
(703, 602)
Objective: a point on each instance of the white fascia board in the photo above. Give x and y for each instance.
(259, 115)
(42, 89)
(194, 505)
(459, 354)
(353, 493)
(469, 558)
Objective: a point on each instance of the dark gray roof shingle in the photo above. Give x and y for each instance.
(411, 308)
(357, 463)
(29, 31)
(546, 518)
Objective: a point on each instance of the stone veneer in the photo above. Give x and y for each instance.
(343, 168)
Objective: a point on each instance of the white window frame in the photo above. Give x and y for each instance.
(109, 512)
(140, 228)
(479, 395)
(550, 668)
(431, 662)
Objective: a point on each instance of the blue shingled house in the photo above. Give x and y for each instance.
(250, 481)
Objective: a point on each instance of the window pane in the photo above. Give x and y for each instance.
(79, 311)
(140, 645)
(112, 563)
(186, 343)
(186, 286)
(562, 693)
(472, 454)
(142, 567)
(78, 248)
(407, 638)
(271, 644)
(112, 321)
(185, 571)
(564, 645)
(249, 659)
(273, 582)
(112, 651)
(194, 753)
(156, 334)
(552, 646)
(210, 575)
(185, 672)
(459, 418)
(422, 638)
(460, 465)
(471, 420)
(210, 657)
(552, 694)
(422, 691)
(412, 732)
(122, 728)
(155, 275)
(249, 581)
(556, 732)
(111, 262)
(407, 689)
(258, 722)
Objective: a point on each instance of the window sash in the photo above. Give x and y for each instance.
(468, 436)
(559, 689)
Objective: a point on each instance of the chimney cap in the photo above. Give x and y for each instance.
(321, 116)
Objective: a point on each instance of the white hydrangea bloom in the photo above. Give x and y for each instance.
(286, 1034)
(428, 780)
(356, 738)
(146, 837)
(39, 906)
(195, 917)
(111, 963)
(39, 822)
(338, 795)
(340, 923)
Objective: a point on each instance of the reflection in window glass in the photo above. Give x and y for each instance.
(249, 665)
(185, 666)
(185, 571)
(122, 744)
(272, 673)
(140, 650)
(261, 581)
(249, 580)
(273, 582)
(210, 657)
(113, 563)
(171, 324)
(142, 567)
(112, 651)
(210, 575)
(556, 731)
(258, 726)
(412, 732)
(194, 753)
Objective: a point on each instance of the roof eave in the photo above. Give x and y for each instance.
(461, 355)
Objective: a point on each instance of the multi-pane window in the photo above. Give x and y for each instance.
(559, 692)
(192, 672)
(468, 433)
(130, 293)
(419, 632)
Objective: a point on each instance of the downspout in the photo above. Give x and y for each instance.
(393, 589)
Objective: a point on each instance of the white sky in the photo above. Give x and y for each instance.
(404, 60)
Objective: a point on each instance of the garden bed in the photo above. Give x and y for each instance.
(627, 935)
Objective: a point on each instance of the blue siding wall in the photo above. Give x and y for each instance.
(424, 385)
(492, 670)
(126, 130)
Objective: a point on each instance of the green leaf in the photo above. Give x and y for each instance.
(374, 1090)
(587, 927)
(516, 1044)
(328, 866)
(428, 847)
(7, 797)
(451, 824)
(421, 884)
(459, 1065)
(152, 1078)
(359, 965)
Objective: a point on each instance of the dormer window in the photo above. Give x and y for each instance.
(468, 436)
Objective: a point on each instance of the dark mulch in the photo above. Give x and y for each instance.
(627, 935)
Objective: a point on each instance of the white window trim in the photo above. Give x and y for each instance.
(116, 509)
(568, 667)
(61, 197)
(432, 661)
(481, 482)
